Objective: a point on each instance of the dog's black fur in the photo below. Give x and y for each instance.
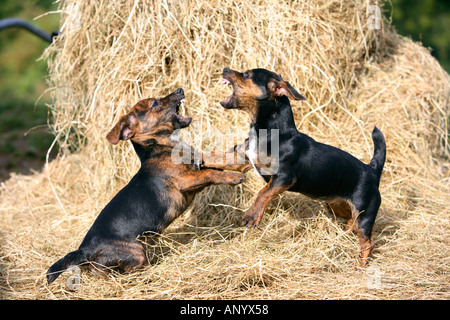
(159, 192)
(320, 171)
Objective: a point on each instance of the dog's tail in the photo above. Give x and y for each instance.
(71, 259)
(379, 153)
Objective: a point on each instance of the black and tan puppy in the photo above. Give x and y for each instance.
(320, 171)
(159, 192)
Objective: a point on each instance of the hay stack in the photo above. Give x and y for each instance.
(110, 55)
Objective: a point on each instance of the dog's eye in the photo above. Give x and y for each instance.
(246, 75)
(155, 103)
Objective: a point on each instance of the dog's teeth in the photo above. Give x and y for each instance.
(225, 81)
(183, 100)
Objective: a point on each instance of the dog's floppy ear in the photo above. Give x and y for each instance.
(283, 88)
(123, 130)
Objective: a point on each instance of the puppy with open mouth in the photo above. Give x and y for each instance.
(159, 192)
(320, 171)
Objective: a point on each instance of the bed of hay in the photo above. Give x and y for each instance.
(112, 54)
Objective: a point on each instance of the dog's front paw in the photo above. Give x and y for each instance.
(237, 177)
(251, 219)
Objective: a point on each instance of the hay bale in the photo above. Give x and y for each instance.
(112, 54)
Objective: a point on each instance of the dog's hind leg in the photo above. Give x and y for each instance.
(364, 225)
(120, 255)
(344, 209)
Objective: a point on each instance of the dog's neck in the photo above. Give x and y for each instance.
(153, 148)
(274, 114)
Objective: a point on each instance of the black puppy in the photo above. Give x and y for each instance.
(320, 171)
(159, 192)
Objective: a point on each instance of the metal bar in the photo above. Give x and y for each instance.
(21, 23)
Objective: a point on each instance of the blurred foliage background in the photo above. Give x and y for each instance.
(24, 138)
(427, 21)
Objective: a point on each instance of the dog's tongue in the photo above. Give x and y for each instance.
(225, 81)
(183, 117)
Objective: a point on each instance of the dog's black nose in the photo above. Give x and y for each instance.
(225, 70)
(179, 91)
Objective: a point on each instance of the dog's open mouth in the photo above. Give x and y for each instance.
(184, 121)
(179, 104)
(227, 101)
